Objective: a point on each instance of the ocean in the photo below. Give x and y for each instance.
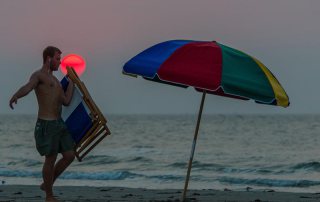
(235, 152)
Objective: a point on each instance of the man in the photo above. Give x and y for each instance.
(51, 134)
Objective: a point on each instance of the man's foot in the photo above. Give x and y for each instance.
(51, 199)
(42, 187)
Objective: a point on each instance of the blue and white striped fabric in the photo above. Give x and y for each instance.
(77, 114)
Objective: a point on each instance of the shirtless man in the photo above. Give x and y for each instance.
(51, 134)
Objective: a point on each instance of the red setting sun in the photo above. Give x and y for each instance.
(75, 61)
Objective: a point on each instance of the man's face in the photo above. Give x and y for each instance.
(55, 61)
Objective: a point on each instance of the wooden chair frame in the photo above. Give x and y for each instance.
(99, 129)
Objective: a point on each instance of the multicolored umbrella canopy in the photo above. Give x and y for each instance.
(209, 66)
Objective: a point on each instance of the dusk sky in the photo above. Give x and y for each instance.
(283, 34)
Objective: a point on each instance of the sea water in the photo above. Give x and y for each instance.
(236, 152)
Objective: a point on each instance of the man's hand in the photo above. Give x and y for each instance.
(24, 90)
(14, 99)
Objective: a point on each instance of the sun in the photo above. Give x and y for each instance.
(75, 61)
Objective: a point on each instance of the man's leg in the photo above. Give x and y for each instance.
(66, 144)
(48, 175)
(63, 163)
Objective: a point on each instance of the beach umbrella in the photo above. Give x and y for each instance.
(209, 67)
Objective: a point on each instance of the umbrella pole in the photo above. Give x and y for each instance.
(193, 147)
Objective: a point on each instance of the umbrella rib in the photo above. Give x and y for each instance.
(214, 90)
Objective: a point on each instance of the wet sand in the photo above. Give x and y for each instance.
(32, 193)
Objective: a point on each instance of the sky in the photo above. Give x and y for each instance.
(283, 34)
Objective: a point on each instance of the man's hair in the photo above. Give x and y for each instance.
(50, 51)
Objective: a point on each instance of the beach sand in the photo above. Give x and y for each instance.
(32, 193)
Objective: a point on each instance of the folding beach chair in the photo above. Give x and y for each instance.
(83, 118)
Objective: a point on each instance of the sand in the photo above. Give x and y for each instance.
(32, 193)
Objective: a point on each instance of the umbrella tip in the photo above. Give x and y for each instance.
(128, 74)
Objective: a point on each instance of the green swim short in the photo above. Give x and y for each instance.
(52, 137)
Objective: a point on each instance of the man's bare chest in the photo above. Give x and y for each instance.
(50, 85)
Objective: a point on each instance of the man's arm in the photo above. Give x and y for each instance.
(68, 94)
(25, 90)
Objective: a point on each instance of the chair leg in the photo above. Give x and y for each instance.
(94, 145)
